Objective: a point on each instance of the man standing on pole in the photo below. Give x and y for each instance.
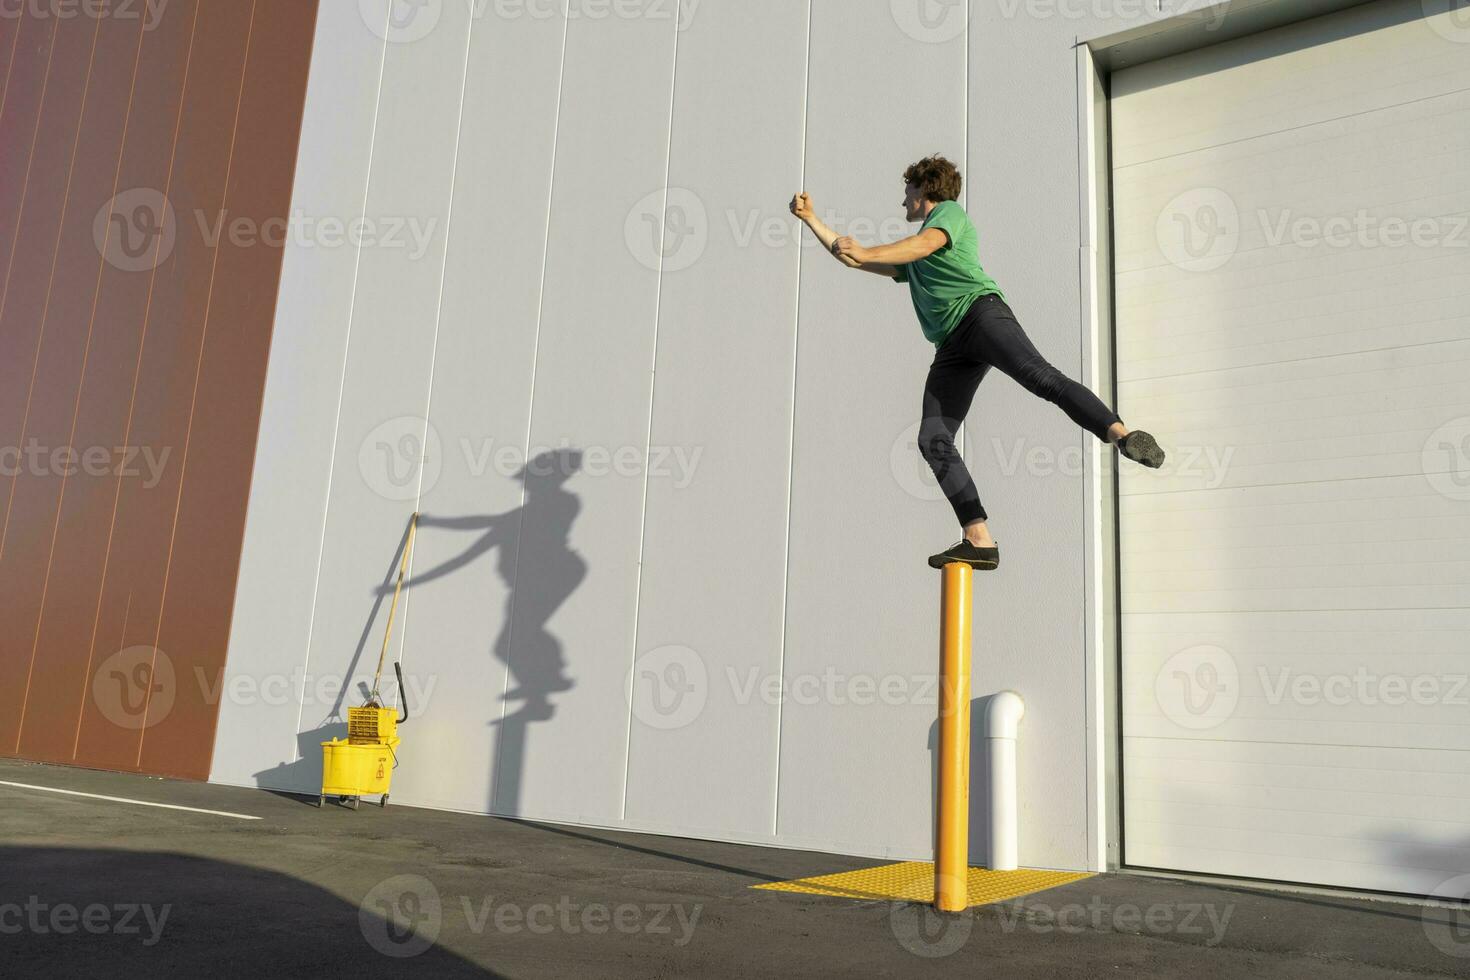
(965, 316)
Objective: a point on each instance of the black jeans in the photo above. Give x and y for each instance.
(987, 337)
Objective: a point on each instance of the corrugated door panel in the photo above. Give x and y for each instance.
(1293, 320)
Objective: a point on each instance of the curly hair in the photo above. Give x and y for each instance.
(936, 178)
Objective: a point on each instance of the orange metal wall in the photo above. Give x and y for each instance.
(133, 347)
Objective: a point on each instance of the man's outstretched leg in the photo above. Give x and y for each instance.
(1002, 342)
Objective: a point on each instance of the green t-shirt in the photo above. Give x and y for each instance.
(945, 284)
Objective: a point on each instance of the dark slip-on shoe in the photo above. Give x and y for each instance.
(966, 553)
(1142, 448)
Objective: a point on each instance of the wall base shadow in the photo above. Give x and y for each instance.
(304, 776)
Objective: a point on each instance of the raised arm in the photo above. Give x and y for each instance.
(801, 206)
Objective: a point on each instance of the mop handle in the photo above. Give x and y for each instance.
(402, 569)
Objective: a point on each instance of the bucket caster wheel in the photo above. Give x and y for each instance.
(384, 801)
(321, 801)
(355, 802)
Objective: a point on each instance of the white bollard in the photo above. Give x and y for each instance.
(1002, 718)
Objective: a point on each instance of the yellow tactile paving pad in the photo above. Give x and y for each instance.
(913, 881)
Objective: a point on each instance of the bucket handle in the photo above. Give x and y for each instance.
(402, 691)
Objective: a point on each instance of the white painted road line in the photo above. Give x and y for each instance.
(121, 799)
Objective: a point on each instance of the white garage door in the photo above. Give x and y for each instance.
(1293, 319)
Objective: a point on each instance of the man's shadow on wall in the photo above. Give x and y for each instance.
(540, 570)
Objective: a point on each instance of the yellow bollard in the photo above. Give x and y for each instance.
(952, 843)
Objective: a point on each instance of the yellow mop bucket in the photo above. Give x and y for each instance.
(354, 771)
(362, 764)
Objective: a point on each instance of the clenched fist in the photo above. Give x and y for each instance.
(801, 206)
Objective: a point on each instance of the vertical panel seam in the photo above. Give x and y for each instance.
(30, 159)
(86, 359)
(964, 432)
(138, 366)
(9, 65)
(515, 564)
(438, 315)
(10, 267)
(791, 440)
(138, 362)
(341, 390)
(198, 370)
(45, 315)
(652, 385)
(1092, 727)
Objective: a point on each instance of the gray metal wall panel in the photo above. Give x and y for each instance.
(577, 587)
(861, 603)
(714, 557)
(379, 450)
(457, 631)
